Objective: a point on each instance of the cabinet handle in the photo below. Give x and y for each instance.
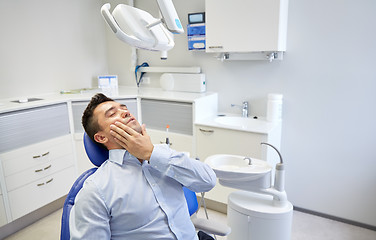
(215, 47)
(40, 184)
(49, 166)
(40, 170)
(206, 131)
(49, 181)
(45, 154)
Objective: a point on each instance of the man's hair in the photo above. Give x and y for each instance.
(89, 121)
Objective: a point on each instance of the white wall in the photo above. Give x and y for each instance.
(328, 80)
(50, 45)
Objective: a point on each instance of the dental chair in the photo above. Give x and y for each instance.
(97, 156)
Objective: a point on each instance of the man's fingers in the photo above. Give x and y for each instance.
(118, 133)
(126, 129)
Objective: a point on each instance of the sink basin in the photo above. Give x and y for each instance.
(236, 168)
(241, 122)
(234, 171)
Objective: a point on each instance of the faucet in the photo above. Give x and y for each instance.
(249, 160)
(244, 108)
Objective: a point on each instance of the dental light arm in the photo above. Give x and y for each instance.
(140, 29)
(170, 16)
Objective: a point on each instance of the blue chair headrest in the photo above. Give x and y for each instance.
(96, 153)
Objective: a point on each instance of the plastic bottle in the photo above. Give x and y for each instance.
(274, 108)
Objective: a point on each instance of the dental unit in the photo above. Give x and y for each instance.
(261, 211)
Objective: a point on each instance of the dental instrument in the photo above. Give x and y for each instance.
(167, 138)
(140, 29)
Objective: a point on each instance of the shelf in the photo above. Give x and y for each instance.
(170, 69)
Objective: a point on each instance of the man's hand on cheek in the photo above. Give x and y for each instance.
(137, 144)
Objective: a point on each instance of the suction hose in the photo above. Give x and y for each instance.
(279, 179)
(280, 156)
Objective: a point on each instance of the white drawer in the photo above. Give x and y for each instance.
(34, 155)
(38, 172)
(39, 193)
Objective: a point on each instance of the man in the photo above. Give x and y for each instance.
(137, 193)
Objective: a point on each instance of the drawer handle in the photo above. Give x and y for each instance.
(39, 170)
(45, 154)
(49, 181)
(49, 166)
(206, 131)
(40, 184)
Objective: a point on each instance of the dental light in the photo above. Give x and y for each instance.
(140, 29)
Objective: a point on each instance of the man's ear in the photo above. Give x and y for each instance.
(100, 138)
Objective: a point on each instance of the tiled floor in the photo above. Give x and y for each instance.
(305, 227)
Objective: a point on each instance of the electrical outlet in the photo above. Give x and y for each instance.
(146, 80)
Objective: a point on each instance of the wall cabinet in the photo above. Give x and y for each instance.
(246, 26)
(214, 140)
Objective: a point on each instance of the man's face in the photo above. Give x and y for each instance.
(108, 113)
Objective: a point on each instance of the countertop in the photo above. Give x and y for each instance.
(259, 125)
(7, 105)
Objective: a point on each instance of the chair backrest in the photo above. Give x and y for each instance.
(96, 153)
(97, 156)
(191, 199)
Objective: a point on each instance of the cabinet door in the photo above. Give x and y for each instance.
(246, 26)
(210, 141)
(158, 114)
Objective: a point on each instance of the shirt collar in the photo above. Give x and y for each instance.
(120, 156)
